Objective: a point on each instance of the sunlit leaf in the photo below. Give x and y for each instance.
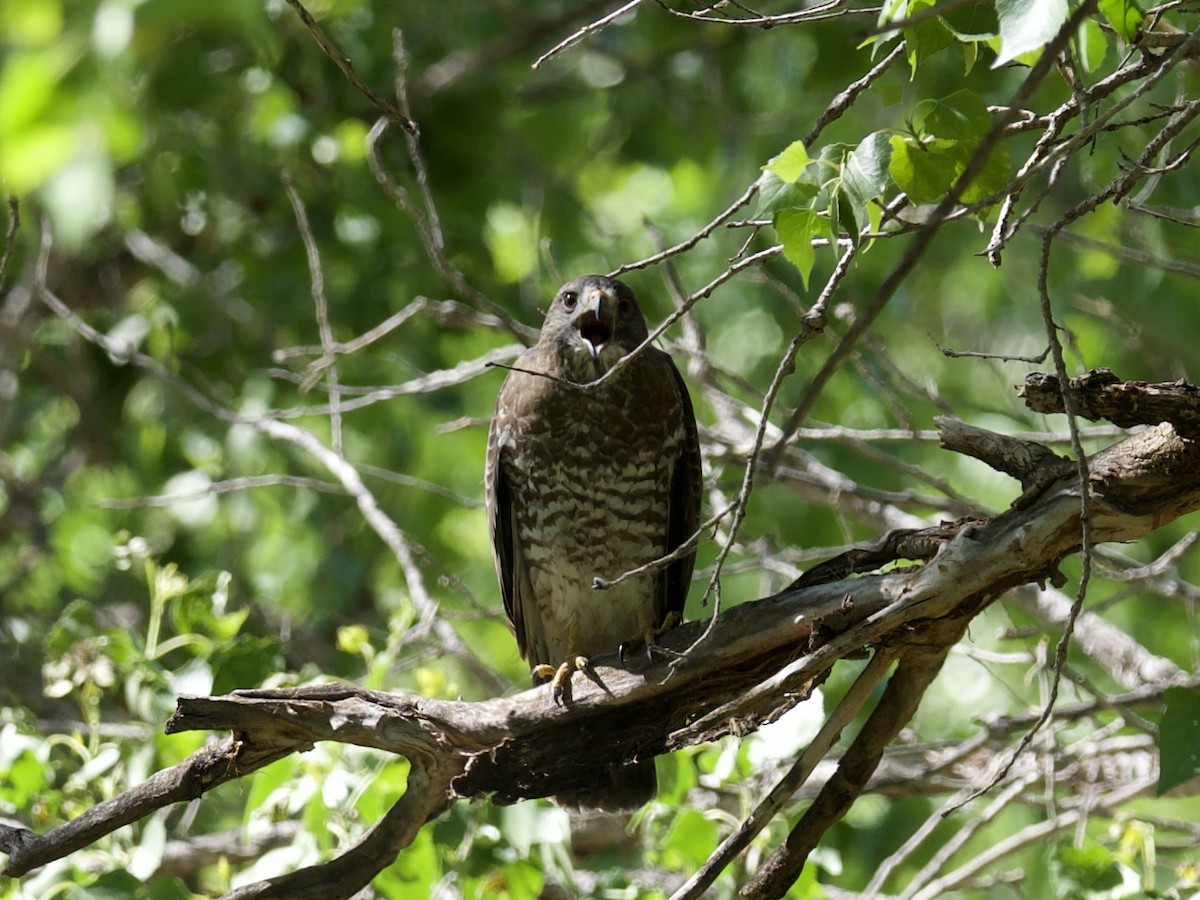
(1092, 44)
(796, 229)
(865, 175)
(776, 194)
(789, 164)
(1091, 867)
(1125, 16)
(1027, 25)
(924, 173)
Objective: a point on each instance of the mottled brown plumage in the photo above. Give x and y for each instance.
(592, 481)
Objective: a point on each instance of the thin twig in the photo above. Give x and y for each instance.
(228, 486)
(684, 246)
(706, 291)
(688, 546)
(444, 312)
(431, 237)
(830, 9)
(429, 623)
(316, 275)
(590, 28)
(1027, 837)
(1050, 152)
(937, 820)
(438, 380)
(343, 62)
(812, 324)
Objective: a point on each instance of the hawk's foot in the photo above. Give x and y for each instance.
(560, 678)
(649, 639)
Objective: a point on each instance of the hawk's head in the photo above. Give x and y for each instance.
(593, 322)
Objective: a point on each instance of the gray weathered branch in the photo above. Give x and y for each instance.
(755, 662)
(1099, 394)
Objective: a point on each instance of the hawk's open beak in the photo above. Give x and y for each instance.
(596, 320)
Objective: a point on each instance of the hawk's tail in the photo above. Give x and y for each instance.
(616, 790)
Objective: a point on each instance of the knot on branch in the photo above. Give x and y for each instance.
(1100, 394)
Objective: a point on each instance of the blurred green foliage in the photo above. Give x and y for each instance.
(153, 140)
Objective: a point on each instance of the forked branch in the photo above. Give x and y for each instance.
(758, 660)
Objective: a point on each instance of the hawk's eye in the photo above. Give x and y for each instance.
(624, 305)
(569, 299)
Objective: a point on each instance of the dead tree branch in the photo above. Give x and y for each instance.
(763, 658)
(1099, 394)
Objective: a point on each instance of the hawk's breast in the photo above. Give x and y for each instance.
(590, 472)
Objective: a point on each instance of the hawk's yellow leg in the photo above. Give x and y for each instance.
(560, 678)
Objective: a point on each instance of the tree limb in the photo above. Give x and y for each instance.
(759, 660)
(1099, 394)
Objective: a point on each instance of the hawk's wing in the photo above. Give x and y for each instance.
(683, 504)
(507, 552)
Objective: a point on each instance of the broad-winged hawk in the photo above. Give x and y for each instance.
(592, 480)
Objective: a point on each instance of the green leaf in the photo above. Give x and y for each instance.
(1089, 868)
(926, 38)
(1125, 16)
(789, 164)
(891, 10)
(847, 214)
(920, 171)
(839, 216)
(415, 870)
(952, 128)
(1027, 25)
(993, 176)
(1092, 46)
(970, 56)
(1179, 738)
(972, 29)
(865, 175)
(960, 116)
(775, 194)
(245, 661)
(24, 779)
(686, 843)
(796, 228)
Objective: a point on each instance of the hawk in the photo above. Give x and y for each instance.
(587, 481)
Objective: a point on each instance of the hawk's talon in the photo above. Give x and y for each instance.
(649, 639)
(560, 678)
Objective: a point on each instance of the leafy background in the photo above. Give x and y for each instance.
(156, 142)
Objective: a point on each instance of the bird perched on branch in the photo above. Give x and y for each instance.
(588, 481)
